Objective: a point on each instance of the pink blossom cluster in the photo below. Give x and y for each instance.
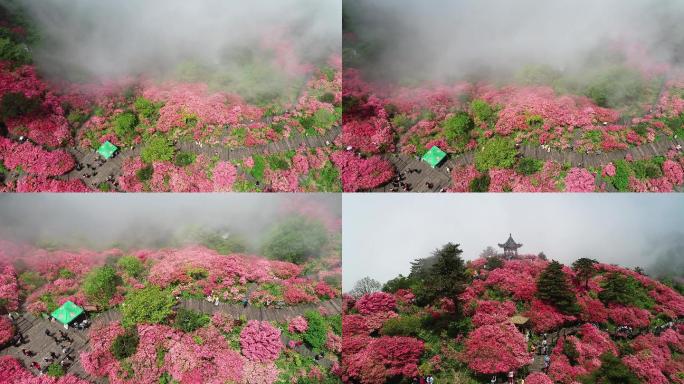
(260, 341)
(294, 294)
(590, 344)
(629, 316)
(34, 159)
(538, 378)
(224, 176)
(373, 135)
(31, 183)
(502, 180)
(383, 358)
(333, 342)
(6, 330)
(492, 312)
(517, 277)
(212, 110)
(496, 348)
(376, 302)
(99, 361)
(9, 290)
(653, 360)
(580, 180)
(260, 373)
(298, 324)
(353, 325)
(545, 318)
(12, 372)
(362, 173)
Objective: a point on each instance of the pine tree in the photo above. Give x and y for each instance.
(552, 287)
(584, 268)
(447, 276)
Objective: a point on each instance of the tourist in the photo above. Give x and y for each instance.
(430, 379)
(245, 302)
(216, 301)
(48, 333)
(493, 379)
(510, 377)
(547, 362)
(35, 365)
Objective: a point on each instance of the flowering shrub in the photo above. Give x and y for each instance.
(9, 291)
(652, 360)
(492, 312)
(362, 174)
(629, 316)
(353, 325)
(373, 135)
(496, 348)
(6, 330)
(579, 180)
(99, 361)
(260, 373)
(224, 176)
(35, 160)
(334, 343)
(376, 302)
(545, 318)
(538, 378)
(260, 341)
(11, 371)
(297, 324)
(383, 358)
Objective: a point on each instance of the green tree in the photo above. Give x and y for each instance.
(147, 109)
(480, 184)
(552, 287)
(295, 239)
(611, 371)
(498, 152)
(15, 104)
(125, 345)
(124, 125)
(483, 112)
(150, 305)
(404, 325)
(584, 269)
(158, 148)
(100, 285)
(527, 166)
(446, 277)
(131, 265)
(364, 286)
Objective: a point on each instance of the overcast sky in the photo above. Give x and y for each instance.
(382, 233)
(100, 219)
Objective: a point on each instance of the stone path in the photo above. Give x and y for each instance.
(33, 329)
(440, 177)
(112, 167)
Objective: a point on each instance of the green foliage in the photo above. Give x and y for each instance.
(399, 282)
(278, 162)
(259, 167)
(482, 111)
(184, 159)
(147, 109)
(496, 153)
(55, 370)
(553, 288)
(145, 173)
(31, 279)
(104, 187)
(457, 128)
(646, 169)
(16, 104)
(131, 265)
(125, 345)
(611, 371)
(189, 321)
(625, 290)
(158, 148)
(534, 121)
(327, 97)
(50, 303)
(404, 325)
(295, 239)
(615, 87)
(317, 333)
(493, 263)
(528, 166)
(621, 178)
(16, 53)
(198, 273)
(480, 184)
(150, 305)
(100, 285)
(124, 125)
(65, 273)
(225, 245)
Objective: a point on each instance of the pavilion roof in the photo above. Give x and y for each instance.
(107, 149)
(434, 156)
(67, 312)
(510, 243)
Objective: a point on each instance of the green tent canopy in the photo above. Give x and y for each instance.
(107, 149)
(67, 313)
(434, 156)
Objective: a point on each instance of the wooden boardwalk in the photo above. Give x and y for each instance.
(333, 307)
(440, 176)
(95, 173)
